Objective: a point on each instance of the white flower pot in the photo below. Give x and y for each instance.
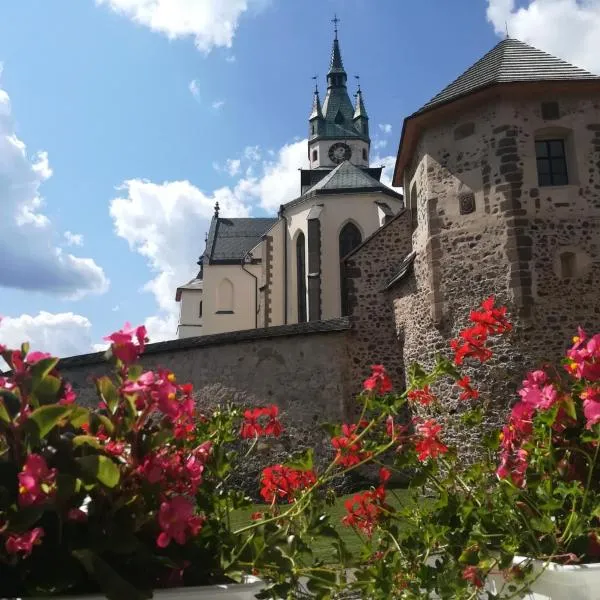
(230, 591)
(559, 582)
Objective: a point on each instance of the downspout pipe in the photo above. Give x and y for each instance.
(244, 260)
(285, 266)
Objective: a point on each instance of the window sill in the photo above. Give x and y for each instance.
(548, 188)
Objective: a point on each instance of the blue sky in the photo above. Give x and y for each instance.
(121, 122)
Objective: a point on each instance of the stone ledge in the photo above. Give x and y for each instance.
(246, 335)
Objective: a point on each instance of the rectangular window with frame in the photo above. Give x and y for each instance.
(551, 162)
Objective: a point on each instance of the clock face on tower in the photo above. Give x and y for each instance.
(339, 152)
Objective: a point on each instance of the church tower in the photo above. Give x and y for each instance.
(338, 131)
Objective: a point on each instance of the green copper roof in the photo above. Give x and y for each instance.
(509, 61)
(335, 64)
(359, 107)
(316, 112)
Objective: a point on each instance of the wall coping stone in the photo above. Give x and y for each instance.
(246, 335)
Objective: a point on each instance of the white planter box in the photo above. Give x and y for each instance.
(560, 582)
(230, 591)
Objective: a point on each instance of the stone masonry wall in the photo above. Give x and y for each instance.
(301, 368)
(485, 227)
(368, 269)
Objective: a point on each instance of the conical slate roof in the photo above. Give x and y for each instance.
(335, 64)
(347, 176)
(359, 107)
(509, 61)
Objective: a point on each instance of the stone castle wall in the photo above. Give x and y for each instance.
(303, 369)
(485, 227)
(368, 270)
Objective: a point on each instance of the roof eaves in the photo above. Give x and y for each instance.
(404, 269)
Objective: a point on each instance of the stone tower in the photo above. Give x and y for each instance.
(501, 172)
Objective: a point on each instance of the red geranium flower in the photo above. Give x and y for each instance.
(281, 482)
(469, 392)
(422, 396)
(379, 382)
(429, 445)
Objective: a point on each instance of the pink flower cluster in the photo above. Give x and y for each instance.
(583, 362)
(159, 391)
(176, 471)
(128, 343)
(177, 521)
(23, 543)
(37, 482)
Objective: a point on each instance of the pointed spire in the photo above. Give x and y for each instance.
(335, 64)
(216, 210)
(316, 112)
(359, 106)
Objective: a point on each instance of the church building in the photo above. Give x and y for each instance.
(262, 272)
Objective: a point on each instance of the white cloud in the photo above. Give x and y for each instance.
(568, 29)
(73, 239)
(211, 23)
(165, 223)
(232, 166)
(230, 59)
(218, 104)
(252, 153)
(194, 89)
(280, 181)
(378, 143)
(29, 258)
(388, 163)
(62, 334)
(385, 128)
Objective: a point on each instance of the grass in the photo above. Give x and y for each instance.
(322, 547)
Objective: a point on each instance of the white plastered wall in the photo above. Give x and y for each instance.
(338, 210)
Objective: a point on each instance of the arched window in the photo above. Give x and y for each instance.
(225, 297)
(350, 238)
(301, 277)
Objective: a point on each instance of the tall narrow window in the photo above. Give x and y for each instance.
(413, 206)
(200, 310)
(364, 154)
(551, 162)
(350, 238)
(225, 297)
(314, 155)
(301, 277)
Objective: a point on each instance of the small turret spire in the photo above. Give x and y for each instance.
(316, 112)
(216, 210)
(359, 106)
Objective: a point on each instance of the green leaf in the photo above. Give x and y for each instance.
(108, 392)
(11, 402)
(46, 417)
(569, 406)
(41, 369)
(101, 468)
(543, 524)
(134, 372)
(4, 416)
(46, 390)
(333, 430)
(79, 415)
(111, 583)
(90, 440)
(303, 461)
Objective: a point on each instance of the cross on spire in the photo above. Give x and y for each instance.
(335, 22)
(357, 77)
(315, 77)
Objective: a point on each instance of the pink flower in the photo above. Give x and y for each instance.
(76, 515)
(24, 542)
(34, 477)
(537, 392)
(591, 407)
(584, 357)
(473, 575)
(177, 521)
(68, 396)
(123, 345)
(34, 357)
